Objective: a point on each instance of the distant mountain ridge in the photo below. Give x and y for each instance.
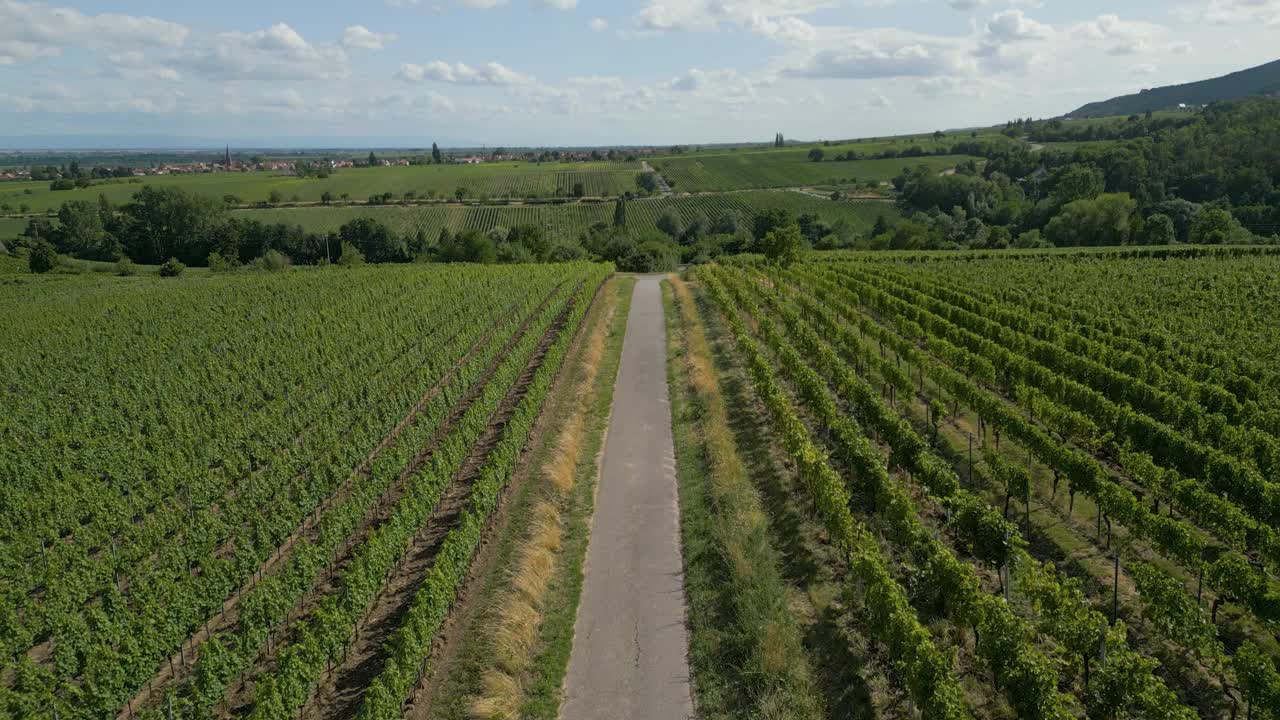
(1261, 80)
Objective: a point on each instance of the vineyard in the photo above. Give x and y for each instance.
(570, 220)
(1049, 482)
(234, 496)
(783, 169)
(496, 180)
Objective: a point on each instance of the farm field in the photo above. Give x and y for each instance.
(571, 219)
(514, 179)
(283, 481)
(1046, 483)
(786, 168)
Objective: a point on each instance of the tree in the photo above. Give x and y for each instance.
(726, 223)
(42, 257)
(999, 237)
(461, 193)
(373, 159)
(435, 154)
(670, 224)
(374, 240)
(81, 233)
(533, 239)
(1078, 182)
(164, 222)
(579, 189)
(326, 198)
(881, 227)
(1158, 230)
(647, 182)
(769, 220)
(475, 247)
(1213, 226)
(816, 155)
(783, 245)
(938, 135)
(1101, 221)
(620, 212)
(274, 197)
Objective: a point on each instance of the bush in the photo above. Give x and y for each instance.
(172, 268)
(275, 261)
(220, 263)
(125, 267)
(350, 255)
(42, 257)
(650, 256)
(566, 253)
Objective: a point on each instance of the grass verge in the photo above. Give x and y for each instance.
(746, 648)
(515, 651)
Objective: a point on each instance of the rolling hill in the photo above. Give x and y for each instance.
(1261, 80)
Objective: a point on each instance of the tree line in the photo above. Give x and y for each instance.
(1214, 179)
(171, 225)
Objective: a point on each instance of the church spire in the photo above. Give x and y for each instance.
(226, 160)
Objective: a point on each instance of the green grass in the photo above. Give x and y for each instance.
(513, 179)
(11, 227)
(570, 220)
(546, 674)
(788, 168)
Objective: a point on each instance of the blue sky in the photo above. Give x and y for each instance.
(535, 72)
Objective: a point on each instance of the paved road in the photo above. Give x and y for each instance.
(630, 647)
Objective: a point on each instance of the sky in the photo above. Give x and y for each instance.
(592, 72)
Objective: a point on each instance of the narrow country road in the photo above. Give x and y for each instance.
(629, 658)
(663, 187)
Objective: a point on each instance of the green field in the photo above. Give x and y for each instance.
(11, 227)
(787, 168)
(570, 220)
(514, 179)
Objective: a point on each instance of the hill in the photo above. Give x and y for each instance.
(1261, 80)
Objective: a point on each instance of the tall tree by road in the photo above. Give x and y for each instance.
(620, 212)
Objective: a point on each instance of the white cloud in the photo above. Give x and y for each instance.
(491, 73)
(30, 30)
(881, 54)
(133, 66)
(777, 19)
(1239, 12)
(1143, 69)
(359, 36)
(278, 53)
(1120, 37)
(599, 24)
(1013, 25)
(559, 4)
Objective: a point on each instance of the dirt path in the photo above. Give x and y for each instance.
(630, 647)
